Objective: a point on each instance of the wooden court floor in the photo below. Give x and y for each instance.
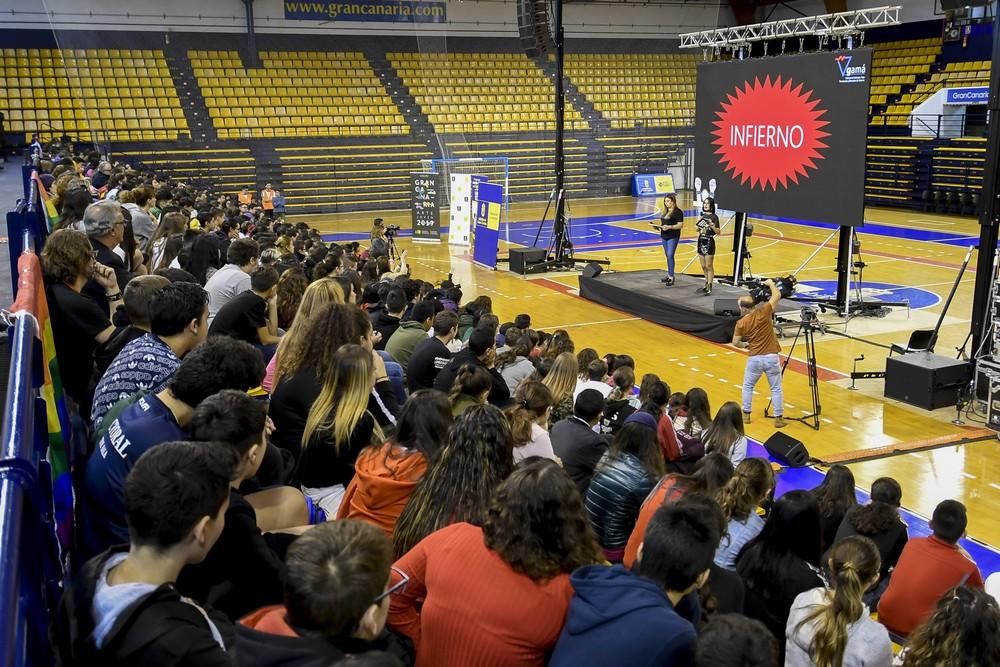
(915, 255)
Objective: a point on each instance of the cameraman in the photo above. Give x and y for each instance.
(755, 332)
(379, 243)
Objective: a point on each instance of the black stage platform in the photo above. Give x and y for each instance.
(679, 307)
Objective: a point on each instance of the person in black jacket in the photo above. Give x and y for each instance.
(622, 480)
(879, 521)
(575, 442)
(336, 601)
(244, 570)
(431, 355)
(480, 352)
(123, 608)
(387, 321)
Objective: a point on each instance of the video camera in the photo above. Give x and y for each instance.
(760, 292)
(391, 230)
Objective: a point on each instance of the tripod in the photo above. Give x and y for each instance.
(390, 243)
(806, 332)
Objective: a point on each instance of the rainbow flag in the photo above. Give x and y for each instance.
(31, 298)
(51, 214)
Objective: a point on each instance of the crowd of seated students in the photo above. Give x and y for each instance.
(302, 454)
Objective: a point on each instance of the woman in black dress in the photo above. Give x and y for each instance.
(708, 227)
(671, 221)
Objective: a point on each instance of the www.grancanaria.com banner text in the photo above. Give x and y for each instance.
(392, 11)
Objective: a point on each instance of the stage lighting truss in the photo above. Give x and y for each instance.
(842, 24)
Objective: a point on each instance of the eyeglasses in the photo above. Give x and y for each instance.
(396, 587)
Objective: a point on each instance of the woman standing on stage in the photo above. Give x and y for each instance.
(671, 221)
(708, 227)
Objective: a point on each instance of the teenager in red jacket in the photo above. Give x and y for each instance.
(927, 568)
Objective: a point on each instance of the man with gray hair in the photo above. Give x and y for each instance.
(105, 225)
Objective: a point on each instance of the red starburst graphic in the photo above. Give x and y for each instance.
(769, 133)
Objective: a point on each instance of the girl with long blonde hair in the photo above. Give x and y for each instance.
(832, 627)
(561, 381)
(338, 427)
(288, 357)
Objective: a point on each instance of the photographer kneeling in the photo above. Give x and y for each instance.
(755, 332)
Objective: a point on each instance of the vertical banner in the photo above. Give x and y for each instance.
(464, 188)
(425, 216)
(487, 206)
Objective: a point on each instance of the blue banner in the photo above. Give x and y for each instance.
(383, 11)
(976, 95)
(647, 185)
(486, 208)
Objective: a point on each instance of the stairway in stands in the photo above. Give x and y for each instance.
(189, 92)
(575, 97)
(420, 126)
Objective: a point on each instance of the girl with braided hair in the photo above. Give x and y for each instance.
(529, 421)
(739, 499)
(471, 388)
(832, 627)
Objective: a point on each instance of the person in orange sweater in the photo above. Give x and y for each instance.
(385, 476)
(336, 600)
(497, 595)
(927, 569)
(245, 198)
(712, 474)
(267, 201)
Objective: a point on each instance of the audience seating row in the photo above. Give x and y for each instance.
(69, 90)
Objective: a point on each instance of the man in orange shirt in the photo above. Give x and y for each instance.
(927, 569)
(245, 198)
(755, 332)
(267, 201)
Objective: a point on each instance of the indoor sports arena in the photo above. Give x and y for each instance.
(500, 332)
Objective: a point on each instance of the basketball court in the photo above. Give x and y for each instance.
(910, 256)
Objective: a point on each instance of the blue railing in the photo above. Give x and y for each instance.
(30, 569)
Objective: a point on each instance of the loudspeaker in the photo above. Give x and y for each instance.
(787, 450)
(533, 26)
(924, 379)
(592, 270)
(727, 307)
(523, 260)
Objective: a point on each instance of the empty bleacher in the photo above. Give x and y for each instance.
(896, 170)
(532, 174)
(228, 169)
(654, 152)
(655, 89)
(115, 94)
(481, 92)
(349, 177)
(957, 173)
(897, 64)
(295, 94)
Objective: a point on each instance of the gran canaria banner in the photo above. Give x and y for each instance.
(388, 11)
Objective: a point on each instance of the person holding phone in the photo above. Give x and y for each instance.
(671, 222)
(708, 227)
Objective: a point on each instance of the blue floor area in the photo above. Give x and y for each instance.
(602, 232)
(790, 479)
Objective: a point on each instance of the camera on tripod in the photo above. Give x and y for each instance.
(760, 292)
(391, 230)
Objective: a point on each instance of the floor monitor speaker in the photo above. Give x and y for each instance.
(592, 270)
(787, 450)
(727, 307)
(523, 260)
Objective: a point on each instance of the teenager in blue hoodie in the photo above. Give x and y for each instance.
(620, 617)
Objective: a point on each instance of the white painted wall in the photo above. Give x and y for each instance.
(465, 17)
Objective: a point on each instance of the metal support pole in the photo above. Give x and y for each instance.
(559, 224)
(739, 245)
(989, 215)
(252, 58)
(843, 267)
